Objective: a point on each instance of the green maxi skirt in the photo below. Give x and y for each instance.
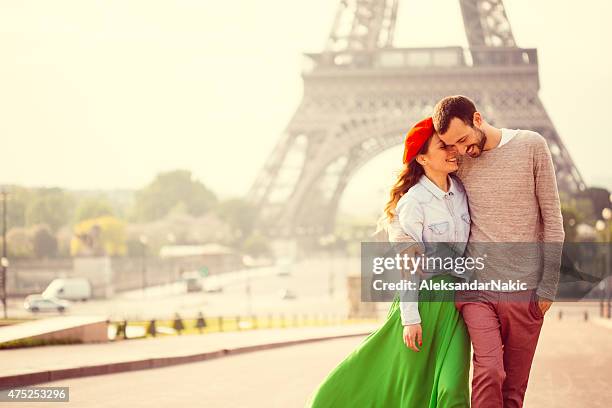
(383, 372)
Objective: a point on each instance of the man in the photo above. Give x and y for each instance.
(512, 192)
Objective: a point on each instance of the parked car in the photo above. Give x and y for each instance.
(284, 266)
(37, 303)
(212, 285)
(193, 281)
(70, 289)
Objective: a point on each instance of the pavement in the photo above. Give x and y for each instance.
(572, 366)
(308, 279)
(28, 366)
(572, 369)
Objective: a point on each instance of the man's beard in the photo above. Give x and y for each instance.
(477, 148)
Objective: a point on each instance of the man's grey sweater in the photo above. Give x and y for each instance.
(513, 199)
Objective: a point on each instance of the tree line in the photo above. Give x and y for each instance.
(174, 208)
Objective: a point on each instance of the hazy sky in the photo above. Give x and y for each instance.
(105, 94)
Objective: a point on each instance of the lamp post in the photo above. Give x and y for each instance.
(247, 292)
(600, 226)
(606, 214)
(143, 242)
(5, 264)
(4, 260)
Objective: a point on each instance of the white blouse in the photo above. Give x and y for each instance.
(428, 214)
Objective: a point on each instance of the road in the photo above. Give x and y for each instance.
(572, 368)
(309, 280)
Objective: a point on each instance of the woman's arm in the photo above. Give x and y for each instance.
(407, 228)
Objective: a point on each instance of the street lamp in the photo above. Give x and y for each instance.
(4, 262)
(4, 259)
(247, 292)
(143, 241)
(604, 226)
(606, 214)
(600, 225)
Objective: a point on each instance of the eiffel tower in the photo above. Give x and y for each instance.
(361, 95)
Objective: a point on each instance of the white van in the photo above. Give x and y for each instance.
(71, 289)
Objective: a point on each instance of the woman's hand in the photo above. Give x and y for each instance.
(413, 335)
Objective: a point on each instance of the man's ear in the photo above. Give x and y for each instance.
(477, 119)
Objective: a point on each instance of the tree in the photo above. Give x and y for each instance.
(49, 206)
(134, 247)
(18, 199)
(571, 219)
(93, 208)
(64, 237)
(99, 236)
(44, 243)
(256, 245)
(576, 211)
(239, 214)
(169, 190)
(19, 244)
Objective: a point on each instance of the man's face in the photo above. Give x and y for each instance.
(466, 139)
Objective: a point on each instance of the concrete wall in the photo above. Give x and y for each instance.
(89, 333)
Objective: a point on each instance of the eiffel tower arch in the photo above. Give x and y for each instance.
(361, 95)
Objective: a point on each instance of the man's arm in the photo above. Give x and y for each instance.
(552, 221)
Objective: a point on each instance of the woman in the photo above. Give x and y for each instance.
(420, 357)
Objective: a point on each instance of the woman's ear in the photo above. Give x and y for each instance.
(421, 159)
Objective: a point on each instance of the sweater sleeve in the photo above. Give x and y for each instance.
(552, 221)
(410, 219)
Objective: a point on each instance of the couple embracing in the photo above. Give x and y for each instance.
(463, 181)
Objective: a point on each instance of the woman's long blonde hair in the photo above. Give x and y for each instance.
(409, 175)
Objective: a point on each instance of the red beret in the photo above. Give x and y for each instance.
(416, 137)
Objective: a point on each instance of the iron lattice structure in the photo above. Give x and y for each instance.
(361, 95)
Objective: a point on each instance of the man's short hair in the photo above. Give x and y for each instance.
(457, 106)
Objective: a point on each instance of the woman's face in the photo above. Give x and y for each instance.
(439, 157)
